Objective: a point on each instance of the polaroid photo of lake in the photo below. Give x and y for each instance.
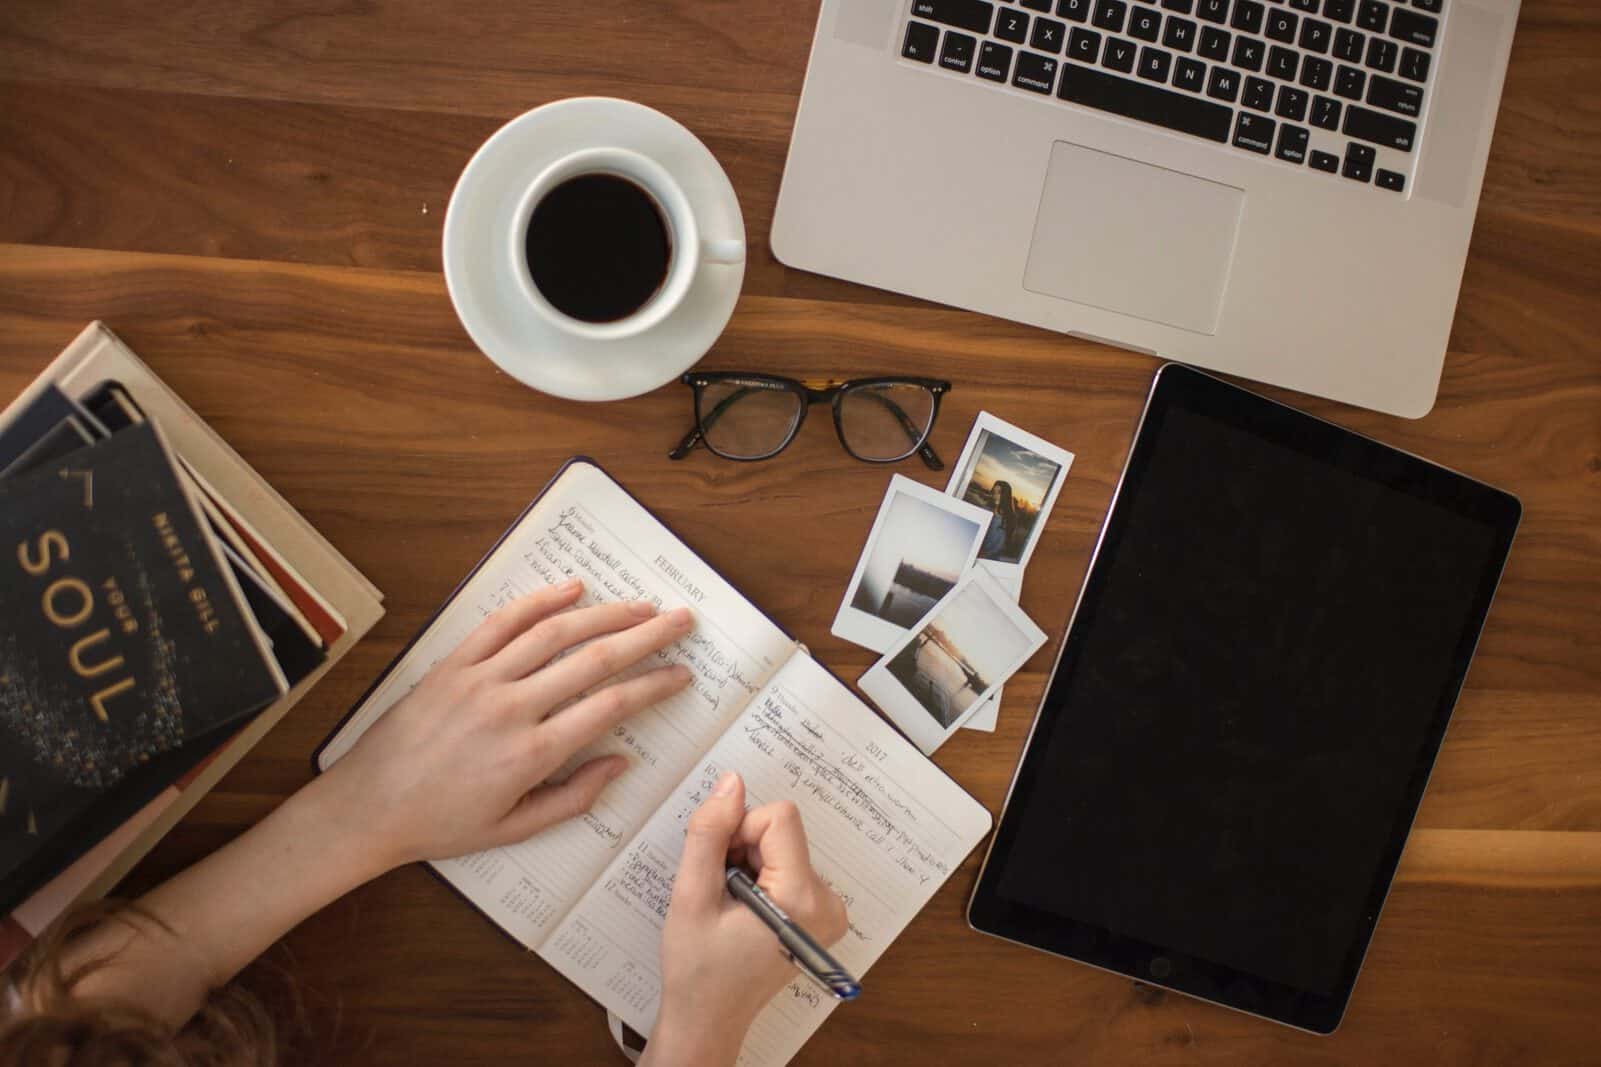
(988, 715)
(940, 673)
(1015, 476)
(921, 544)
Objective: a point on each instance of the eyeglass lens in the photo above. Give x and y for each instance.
(747, 419)
(885, 422)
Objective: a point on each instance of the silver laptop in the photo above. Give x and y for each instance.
(1279, 189)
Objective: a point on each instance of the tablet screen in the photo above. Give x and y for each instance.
(1257, 679)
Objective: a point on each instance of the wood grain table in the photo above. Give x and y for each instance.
(251, 193)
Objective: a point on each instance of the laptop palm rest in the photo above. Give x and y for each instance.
(1134, 238)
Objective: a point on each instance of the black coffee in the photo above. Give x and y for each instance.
(598, 248)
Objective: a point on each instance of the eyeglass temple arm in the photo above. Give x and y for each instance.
(694, 437)
(925, 451)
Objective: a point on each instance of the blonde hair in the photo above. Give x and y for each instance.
(44, 1023)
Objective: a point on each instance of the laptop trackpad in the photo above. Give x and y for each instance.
(1130, 237)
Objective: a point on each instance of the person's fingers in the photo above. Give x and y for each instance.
(599, 660)
(495, 632)
(550, 804)
(592, 717)
(774, 837)
(699, 885)
(555, 634)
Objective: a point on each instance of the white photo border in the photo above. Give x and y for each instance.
(989, 423)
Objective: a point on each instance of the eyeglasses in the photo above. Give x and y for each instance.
(755, 416)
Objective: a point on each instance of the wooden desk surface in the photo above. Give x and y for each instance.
(251, 194)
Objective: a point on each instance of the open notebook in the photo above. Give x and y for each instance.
(590, 896)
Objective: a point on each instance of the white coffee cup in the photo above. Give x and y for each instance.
(689, 249)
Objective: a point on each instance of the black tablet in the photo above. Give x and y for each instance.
(1242, 718)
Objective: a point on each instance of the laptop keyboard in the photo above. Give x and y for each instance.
(1332, 85)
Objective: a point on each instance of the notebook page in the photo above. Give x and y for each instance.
(586, 525)
(886, 828)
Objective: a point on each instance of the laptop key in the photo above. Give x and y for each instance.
(1379, 128)
(1247, 53)
(1324, 161)
(1381, 54)
(1292, 143)
(1395, 96)
(1076, 10)
(1212, 10)
(1431, 6)
(1358, 162)
(1348, 45)
(1155, 64)
(1048, 35)
(970, 15)
(1349, 83)
(1189, 75)
(1119, 55)
(1292, 103)
(1281, 62)
(1414, 65)
(1339, 11)
(1281, 26)
(1144, 102)
(1315, 35)
(1414, 28)
(1224, 84)
(1034, 72)
(1012, 26)
(1390, 179)
(1326, 113)
(1179, 34)
(1109, 15)
(1247, 16)
(994, 61)
(1254, 132)
(1372, 15)
(1083, 45)
(1036, 5)
(1183, 7)
(1316, 72)
(1258, 94)
(1305, 5)
(957, 51)
(1214, 44)
(921, 42)
(1145, 24)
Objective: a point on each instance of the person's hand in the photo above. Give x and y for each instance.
(720, 964)
(460, 764)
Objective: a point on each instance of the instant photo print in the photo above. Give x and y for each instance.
(921, 544)
(1015, 477)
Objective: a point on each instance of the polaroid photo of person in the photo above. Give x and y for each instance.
(1014, 476)
(1010, 579)
(939, 674)
(921, 544)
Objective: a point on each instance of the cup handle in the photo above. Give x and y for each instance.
(730, 251)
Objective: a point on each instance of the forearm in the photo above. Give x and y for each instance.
(680, 1042)
(227, 909)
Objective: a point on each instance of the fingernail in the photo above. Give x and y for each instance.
(642, 608)
(619, 765)
(570, 584)
(726, 784)
(681, 618)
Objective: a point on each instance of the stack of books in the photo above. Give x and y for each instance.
(161, 608)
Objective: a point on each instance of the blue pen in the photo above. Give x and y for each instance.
(813, 959)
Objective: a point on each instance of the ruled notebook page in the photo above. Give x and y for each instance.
(586, 525)
(886, 828)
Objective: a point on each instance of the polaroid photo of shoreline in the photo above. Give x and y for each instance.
(1015, 476)
(939, 674)
(921, 544)
(1010, 579)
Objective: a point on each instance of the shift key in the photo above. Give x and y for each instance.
(1378, 128)
(971, 15)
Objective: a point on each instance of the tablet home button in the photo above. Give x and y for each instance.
(1161, 967)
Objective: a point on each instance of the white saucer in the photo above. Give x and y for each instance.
(488, 300)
